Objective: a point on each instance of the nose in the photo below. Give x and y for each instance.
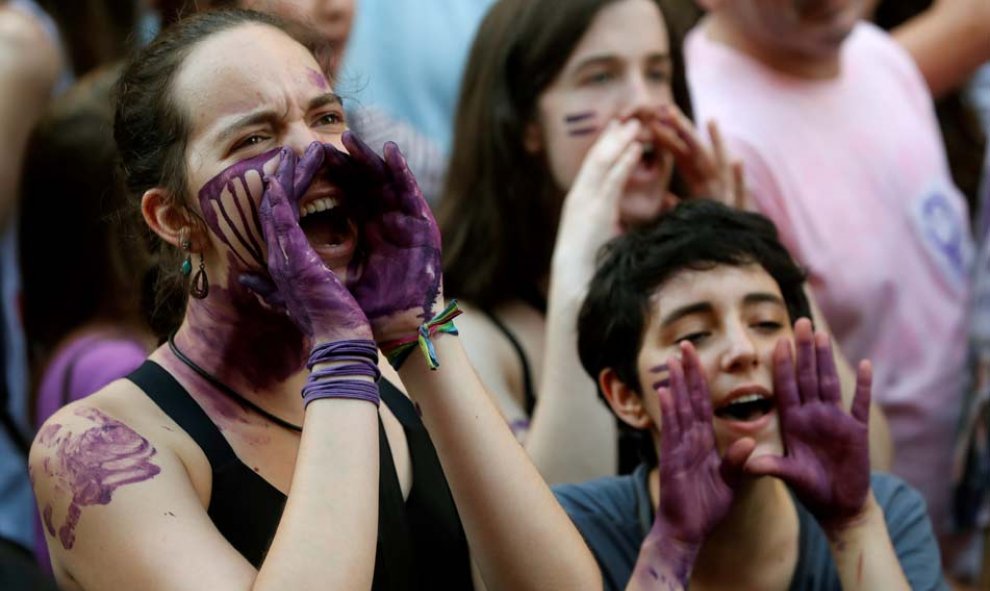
(642, 95)
(740, 352)
(298, 136)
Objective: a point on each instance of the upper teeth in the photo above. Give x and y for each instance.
(747, 398)
(322, 204)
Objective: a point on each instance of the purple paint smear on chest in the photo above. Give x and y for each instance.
(94, 464)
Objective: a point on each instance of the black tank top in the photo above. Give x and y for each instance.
(421, 544)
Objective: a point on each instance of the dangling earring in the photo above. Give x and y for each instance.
(200, 286)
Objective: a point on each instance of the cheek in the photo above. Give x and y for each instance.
(229, 202)
(565, 154)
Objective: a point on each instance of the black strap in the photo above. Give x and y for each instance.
(10, 426)
(529, 394)
(172, 398)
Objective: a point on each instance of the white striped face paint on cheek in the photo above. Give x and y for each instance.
(229, 202)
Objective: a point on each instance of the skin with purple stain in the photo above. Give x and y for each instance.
(581, 124)
(229, 205)
(314, 297)
(697, 486)
(662, 382)
(827, 459)
(91, 465)
(397, 277)
(318, 79)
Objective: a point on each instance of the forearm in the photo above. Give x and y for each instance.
(948, 45)
(519, 535)
(864, 556)
(572, 436)
(328, 533)
(662, 566)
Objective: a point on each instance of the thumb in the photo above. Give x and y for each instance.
(734, 461)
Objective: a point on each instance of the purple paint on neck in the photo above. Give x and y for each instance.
(236, 222)
(242, 342)
(93, 464)
(577, 117)
(318, 79)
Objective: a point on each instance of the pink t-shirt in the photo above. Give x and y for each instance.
(853, 172)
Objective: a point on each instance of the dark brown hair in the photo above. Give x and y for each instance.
(500, 207)
(95, 32)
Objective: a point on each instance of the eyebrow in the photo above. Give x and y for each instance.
(269, 115)
(706, 308)
(607, 59)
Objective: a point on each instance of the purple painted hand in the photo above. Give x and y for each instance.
(697, 486)
(397, 280)
(312, 295)
(827, 460)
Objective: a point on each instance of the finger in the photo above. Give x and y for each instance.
(410, 196)
(718, 145)
(704, 163)
(306, 169)
(668, 139)
(770, 465)
(864, 384)
(829, 387)
(285, 175)
(697, 387)
(807, 372)
(362, 153)
(609, 148)
(733, 463)
(263, 287)
(738, 185)
(679, 390)
(784, 387)
(670, 428)
(617, 177)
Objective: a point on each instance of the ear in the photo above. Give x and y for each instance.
(626, 403)
(169, 218)
(533, 138)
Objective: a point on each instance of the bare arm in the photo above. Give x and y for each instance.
(139, 523)
(949, 41)
(29, 65)
(520, 536)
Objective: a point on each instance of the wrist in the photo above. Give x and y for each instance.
(398, 349)
(842, 530)
(664, 556)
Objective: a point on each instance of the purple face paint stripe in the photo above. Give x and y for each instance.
(659, 368)
(246, 241)
(582, 131)
(576, 117)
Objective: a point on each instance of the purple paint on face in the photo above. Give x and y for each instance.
(578, 117)
(95, 463)
(229, 202)
(318, 79)
(662, 383)
(582, 131)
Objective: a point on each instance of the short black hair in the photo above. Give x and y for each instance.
(696, 235)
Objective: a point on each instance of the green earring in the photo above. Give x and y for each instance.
(186, 267)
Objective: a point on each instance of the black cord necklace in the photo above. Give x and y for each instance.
(227, 390)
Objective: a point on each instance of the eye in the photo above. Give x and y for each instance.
(693, 337)
(768, 326)
(598, 78)
(251, 140)
(658, 74)
(330, 118)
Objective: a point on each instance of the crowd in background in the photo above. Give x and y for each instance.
(874, 168)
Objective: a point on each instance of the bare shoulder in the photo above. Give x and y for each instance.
(111, 484)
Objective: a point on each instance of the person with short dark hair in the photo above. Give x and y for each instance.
(763, 479)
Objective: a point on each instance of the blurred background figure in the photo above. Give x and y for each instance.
(858, 183)
(31, 68)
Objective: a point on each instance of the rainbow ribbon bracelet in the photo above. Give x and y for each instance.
(398, 350)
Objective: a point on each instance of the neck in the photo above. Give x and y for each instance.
(725, 30)
(242, 343)
(763, 520)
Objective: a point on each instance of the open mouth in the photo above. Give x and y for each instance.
(749, 407)
(325, 222)
(651, 155)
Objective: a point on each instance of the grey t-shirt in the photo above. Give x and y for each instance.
(614, 515)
